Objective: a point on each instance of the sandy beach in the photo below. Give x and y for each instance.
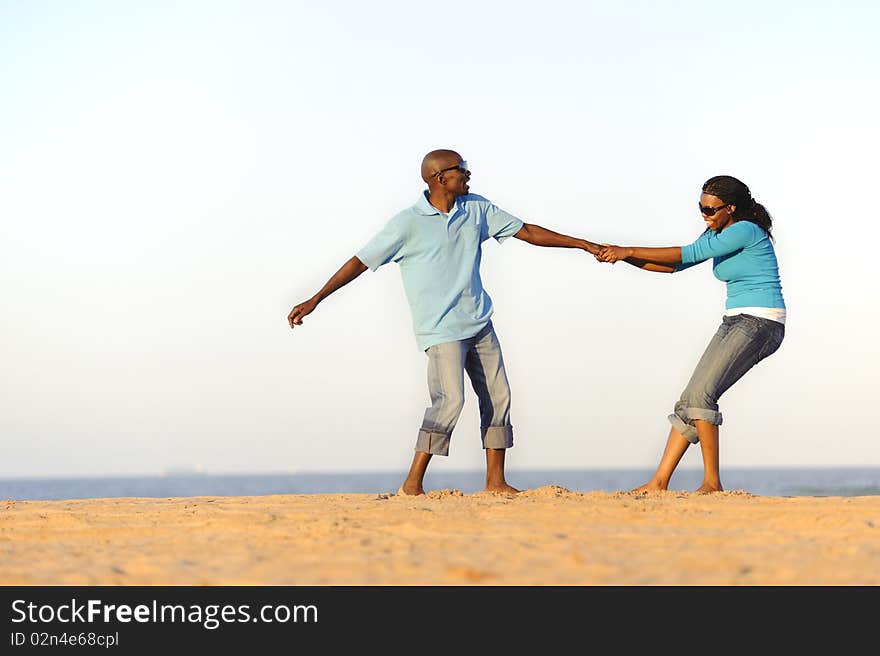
(546, 536)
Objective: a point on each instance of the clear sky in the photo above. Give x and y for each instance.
(175, 176)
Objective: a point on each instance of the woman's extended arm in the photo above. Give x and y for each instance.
(659, 260)
(647, 265)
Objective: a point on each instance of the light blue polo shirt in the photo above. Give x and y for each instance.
(439, 256)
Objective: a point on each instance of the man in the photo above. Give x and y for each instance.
(437, 243)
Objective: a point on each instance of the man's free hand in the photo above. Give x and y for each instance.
(296, 314)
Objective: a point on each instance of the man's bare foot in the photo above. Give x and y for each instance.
(653, 485)
(708, 488)
(502, 488)
(410, 490)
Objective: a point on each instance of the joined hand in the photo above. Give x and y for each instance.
(611, 254)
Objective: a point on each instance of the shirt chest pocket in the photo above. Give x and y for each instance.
(467, 236)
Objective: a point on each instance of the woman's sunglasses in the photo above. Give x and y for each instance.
(710, 211)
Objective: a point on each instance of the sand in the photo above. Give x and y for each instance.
(546, 536)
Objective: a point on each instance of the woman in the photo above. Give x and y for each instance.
(738, 240)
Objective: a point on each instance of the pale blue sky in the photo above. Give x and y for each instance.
(175, 176)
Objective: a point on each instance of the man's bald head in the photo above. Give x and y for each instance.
(437, 160)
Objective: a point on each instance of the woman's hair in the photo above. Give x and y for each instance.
(734, 192)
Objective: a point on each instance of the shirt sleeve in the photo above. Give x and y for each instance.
(385, 247)
(715, 244)
(501, 224)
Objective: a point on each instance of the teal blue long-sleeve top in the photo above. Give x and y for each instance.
(743, 257)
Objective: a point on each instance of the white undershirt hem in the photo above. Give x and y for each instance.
(774, 314)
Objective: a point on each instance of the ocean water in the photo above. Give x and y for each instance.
(845, 481)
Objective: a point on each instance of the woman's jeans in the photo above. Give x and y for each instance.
(480, 357)
(741, 342)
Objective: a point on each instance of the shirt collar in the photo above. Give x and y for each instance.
(424, 207)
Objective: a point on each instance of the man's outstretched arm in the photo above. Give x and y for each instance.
(349, 271)
(535, 234)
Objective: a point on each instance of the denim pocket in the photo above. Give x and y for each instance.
(747, 324)
(775, 334)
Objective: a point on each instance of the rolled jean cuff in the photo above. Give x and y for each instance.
(684, 426)
(712, 416)
(433, 442)
(687, 431)
(497, 437)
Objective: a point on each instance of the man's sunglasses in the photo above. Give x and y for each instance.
(710, 211)
(462, 166)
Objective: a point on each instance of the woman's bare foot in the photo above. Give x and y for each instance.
(654, 485)
(502, 488)
(709, 488)
(410, 490)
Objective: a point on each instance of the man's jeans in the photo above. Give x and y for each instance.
(480, 357)
(741, 342)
